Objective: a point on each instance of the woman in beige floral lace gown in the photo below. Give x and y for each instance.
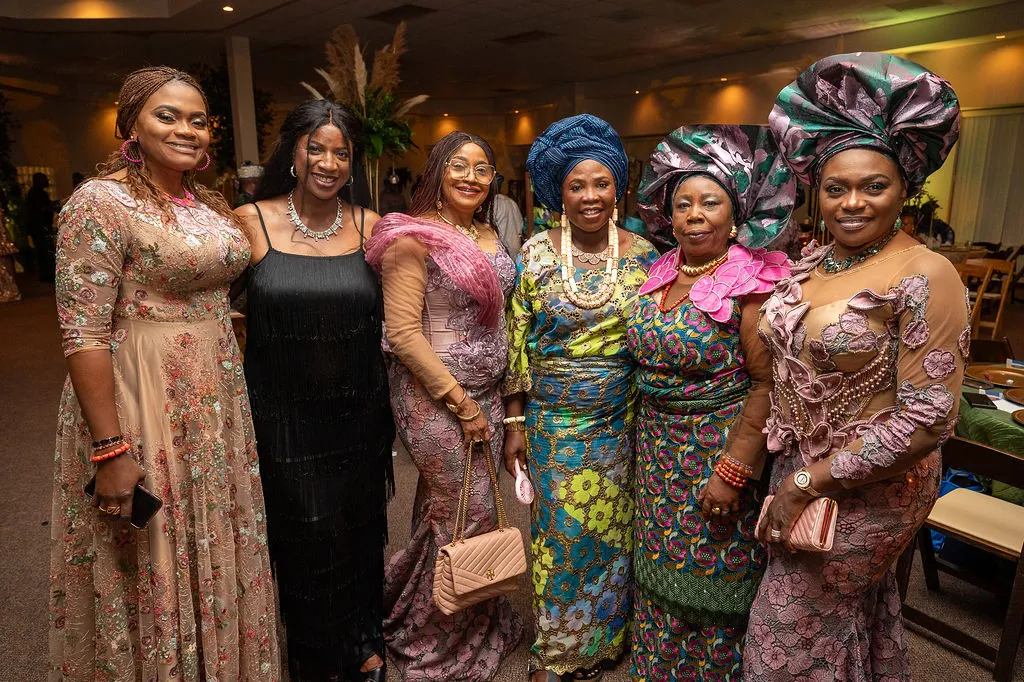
(144, 259)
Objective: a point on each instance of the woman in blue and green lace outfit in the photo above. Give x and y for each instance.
(703, 377)
(570, 375)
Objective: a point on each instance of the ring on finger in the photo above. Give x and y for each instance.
(112, 510)
(775, 534)
(716, 511)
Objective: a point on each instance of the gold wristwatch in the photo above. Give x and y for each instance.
(802, 480)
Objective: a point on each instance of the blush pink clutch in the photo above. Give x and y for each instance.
(816, 527)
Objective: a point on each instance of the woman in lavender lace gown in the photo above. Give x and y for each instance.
(869, 340)
(445, 277)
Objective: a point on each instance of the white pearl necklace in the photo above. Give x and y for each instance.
(581, 298)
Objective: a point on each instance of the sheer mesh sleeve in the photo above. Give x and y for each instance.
(931, 313)
(746, 438)
(90, 260)
(404, 275)
(519, 323)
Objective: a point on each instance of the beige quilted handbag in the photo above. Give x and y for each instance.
(471, 570)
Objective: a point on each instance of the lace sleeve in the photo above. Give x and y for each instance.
(404, 280)
(746, 440)
(90, 261)
(931, 313)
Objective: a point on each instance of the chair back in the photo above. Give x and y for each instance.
(995, 350)
(983, 460)
(1000, 265)
(976, 278)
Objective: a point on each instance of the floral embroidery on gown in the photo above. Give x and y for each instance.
(190, 597)
(868, 365)
(424, 643)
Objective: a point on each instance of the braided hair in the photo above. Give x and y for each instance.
(136, 90)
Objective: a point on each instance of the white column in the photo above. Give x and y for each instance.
(243, 103)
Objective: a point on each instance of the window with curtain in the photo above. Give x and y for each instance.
(987, 202)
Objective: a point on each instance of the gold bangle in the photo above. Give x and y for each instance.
(454, 407)
(472, 416)
(516, 426)
(512, 420)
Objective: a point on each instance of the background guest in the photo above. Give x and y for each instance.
(249, 175)
(704, 377)
(869, 339)
(569, 394)
(508, 219)
(156, 396)
(319, 395)
(39, 211)
(445, 275)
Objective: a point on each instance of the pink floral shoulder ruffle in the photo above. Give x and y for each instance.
(746, 271)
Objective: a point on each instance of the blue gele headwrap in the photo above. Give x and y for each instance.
(567, 142)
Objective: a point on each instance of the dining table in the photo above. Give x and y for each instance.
(995, 428)
(960, 254)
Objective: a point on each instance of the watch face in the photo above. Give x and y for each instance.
(802, 479)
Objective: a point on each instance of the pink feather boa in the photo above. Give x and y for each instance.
(453, 252)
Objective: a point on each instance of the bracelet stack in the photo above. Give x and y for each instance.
(116, 452)
(732, 471)
(515, 423)
(455, 407)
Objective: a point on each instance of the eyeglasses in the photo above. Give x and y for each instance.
(459, 170)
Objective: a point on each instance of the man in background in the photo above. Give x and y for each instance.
(39, 212)
(249, 175)
(508, 219)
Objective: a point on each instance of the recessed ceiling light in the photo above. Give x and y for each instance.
(228, 8)
(1000, 36)
(723, 79)
(516, 111)
(446, 115)
(636, 92)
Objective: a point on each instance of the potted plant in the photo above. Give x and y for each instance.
(373, 98)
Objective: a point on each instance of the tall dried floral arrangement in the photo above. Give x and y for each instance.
(373, 100)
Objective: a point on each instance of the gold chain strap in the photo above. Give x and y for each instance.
(462, 513)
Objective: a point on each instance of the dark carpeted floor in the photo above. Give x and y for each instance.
(32, 372)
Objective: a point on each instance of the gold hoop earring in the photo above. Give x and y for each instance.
(733, 232)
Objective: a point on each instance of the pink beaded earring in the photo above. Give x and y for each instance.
(205, 165)
(127, 157)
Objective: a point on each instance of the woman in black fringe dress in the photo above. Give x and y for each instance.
(319, 394)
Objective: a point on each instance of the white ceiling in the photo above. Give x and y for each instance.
(458, 51)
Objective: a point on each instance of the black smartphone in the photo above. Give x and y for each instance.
(144, 503)
(979, 400)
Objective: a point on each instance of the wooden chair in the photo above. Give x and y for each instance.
(982, 521)
(1000, 280)
(976, 278)
(989, 350)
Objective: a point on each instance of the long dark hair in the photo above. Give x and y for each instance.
(429, 189)
(306, 119)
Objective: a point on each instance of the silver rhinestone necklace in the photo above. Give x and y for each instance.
(293, 215)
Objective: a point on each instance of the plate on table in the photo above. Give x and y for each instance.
(1018, 417)
(1001, 376)
(1014, 395)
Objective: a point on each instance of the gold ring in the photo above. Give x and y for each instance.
(716, 510)
(775, 534)
(113, 510)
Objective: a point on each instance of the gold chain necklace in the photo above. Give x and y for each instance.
(698, 270)
(585, 299)
(470, 231)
